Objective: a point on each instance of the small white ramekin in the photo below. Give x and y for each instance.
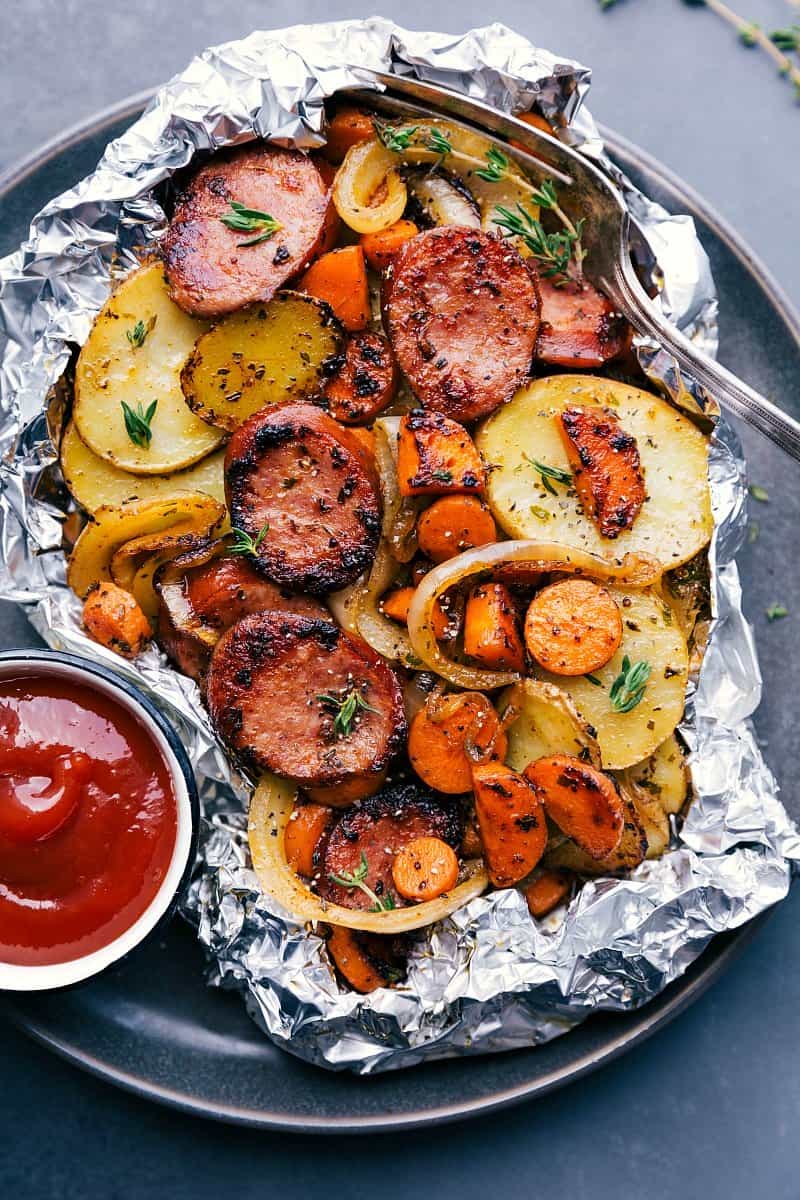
(66, 667)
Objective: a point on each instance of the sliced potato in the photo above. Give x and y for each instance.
(111, 369)
(664, 775)
(651, 634)
(112, 527)
(675, 521)
(261, 355)
(94, 481)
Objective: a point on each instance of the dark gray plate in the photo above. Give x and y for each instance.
(153, 1027)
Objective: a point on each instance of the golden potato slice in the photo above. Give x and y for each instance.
(664, 775)
(649, 634)
(94, 481)
(160, 523)
(112, 368)
(261, 355)
(675, 521)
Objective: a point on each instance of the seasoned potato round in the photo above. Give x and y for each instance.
(664, 775)
(261, 355)
(649, 634)
(94, 481)
(134, 355)
(675, 520)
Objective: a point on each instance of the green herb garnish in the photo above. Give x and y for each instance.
(357, 879)
(394, 137)
(442, 476)
(540, 513)
(137, 423)
(138, 334)
(759, 493)
(438, 142)
(243, 543)
(496, 166)
(549, 475)
(593, 679)
(776, 611)
(250, 220)
(628, 688)
(345, 709)
(787, 40)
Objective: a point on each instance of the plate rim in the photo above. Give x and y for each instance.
(644, 1022)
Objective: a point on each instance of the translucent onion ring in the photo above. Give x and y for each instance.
(507, 559)
(270, 810)
(399, 512)
(368, 193)
(383, 635)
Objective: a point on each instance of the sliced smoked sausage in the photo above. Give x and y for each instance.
(210, 267)
(379, 827)
(279, 692)
(580, 326)
(462, 313)
(199, 600)
(311, 481)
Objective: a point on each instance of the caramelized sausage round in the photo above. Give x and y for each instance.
(365, 381)
(311, 483)
(279, 692)
(210, 268)
(580, 327)
(381, 826)
(462, 312)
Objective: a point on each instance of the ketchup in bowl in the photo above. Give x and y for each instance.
(88, 817)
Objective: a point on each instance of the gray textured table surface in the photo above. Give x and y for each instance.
(708, 1107)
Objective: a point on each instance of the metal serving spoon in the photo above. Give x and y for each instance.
(605, 238)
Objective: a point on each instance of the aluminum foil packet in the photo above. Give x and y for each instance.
(488, 978)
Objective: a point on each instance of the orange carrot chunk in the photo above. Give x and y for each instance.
(453, 524)
(381, 247)
(114, 619)
(347, 128)
(583, 802)
(304, 829)
(395, 606)
(546, 891)
(340, 279)
(425, 868)
(442, 735)
(511, 820)
(606, 468)
(436, 455)
(573, 627)
(491, 632)
(363, 971)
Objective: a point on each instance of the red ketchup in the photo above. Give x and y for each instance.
(88, 820)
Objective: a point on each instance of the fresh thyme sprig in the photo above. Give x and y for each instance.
(250, 220)
(357, 879)
(553, 251)
(438, 142)
(137, 423)
(137, 335)
(628, 688)
(549, 475)
(243, 543)
(345, 708)
(396, 138)
(496, 166)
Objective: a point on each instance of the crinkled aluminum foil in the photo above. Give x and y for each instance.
(488, 978)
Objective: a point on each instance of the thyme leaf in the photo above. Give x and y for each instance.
(137, 334)
(357, 879)
(548, 475)
(496, 166)
(438, 142)
(137, 423)
(628, 688)
(250, 220)
(345, 709)
(396, 138)
(759, 493)
(776, 611)
(243, 543)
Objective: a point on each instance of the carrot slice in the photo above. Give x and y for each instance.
(511, 820)
(395, 606)
(583, 802)
(304, 829)
(365, 380)
(425, 868)
(453, 524)
(342, 795)
(607, 470)
(573, 627)
(114, 619)
(340, 279)
(546, 891)
(347, 128)
(491, 632)
(436, 455)
(353, 961)
(381, 247)
(437, 749)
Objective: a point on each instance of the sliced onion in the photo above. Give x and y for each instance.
(387, 637)
(399, 512)
(368, 192)
(445, 199)
(270, 810)
(345, 604)
(516, 560)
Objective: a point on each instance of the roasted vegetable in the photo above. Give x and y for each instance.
(347, 127)
(305, 827)
(424, 869)
(546, 891)
(380, 248)
(573, 627)
(113, 618)
(511, 820)
(582, 801)
(436, 455)
(448, 735)
(491, 629)
(339, 278)
(606, 468)
(369, 192)
(453, 524)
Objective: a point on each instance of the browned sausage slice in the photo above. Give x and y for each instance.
(209, 268)
(378, 828)
(462, 312)
(580, 327)
(364, 382)
(279, 692)
(607, 470)
(199, 600)
(311, 481)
